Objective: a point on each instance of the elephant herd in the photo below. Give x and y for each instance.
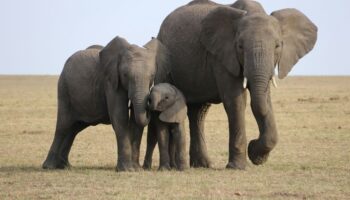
(205, 53)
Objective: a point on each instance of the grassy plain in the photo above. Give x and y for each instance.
(311, 160)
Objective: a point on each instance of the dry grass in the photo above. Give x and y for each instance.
(311, 161)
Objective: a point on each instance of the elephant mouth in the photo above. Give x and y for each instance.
(141, 114)
(272, 81)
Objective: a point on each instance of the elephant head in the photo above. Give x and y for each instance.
(95, 46)
(168, 100)
(134, 69)
(250, 44)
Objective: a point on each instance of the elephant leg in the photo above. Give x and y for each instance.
(66, 130)
(124, 162)
(198, 149)
(234, 98)
(117, 102)
(163, 144)
(259, 149)
(136, 132)
(179, 140)
(68, 141)
(172, 151)
(151, 143)
(237, 139)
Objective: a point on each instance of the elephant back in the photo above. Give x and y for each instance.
(180, 32)
(95, 46)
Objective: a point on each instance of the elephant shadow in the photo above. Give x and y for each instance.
(31, 168)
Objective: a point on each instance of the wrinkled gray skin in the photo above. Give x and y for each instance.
(95, 87)
(167, 128)
(213, 47)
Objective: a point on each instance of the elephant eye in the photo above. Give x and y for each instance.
(240, 47)
(278, 46)
(166, 98)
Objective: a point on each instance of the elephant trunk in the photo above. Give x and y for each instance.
(259, 71)
(139, 101)
(259, 91)
(153, 101)
(259, 77)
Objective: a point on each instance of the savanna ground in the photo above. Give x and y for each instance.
(311, 160)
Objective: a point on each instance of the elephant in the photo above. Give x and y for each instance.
(95, 46)
(218, 52)
(168, 113)
(96, 86)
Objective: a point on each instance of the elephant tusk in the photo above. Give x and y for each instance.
(129, 104)
(245, 82)
(151, 86)
(274, 83)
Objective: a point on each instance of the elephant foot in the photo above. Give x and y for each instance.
(181, 167)
(137, 166)
(200, 162)
(53, 161)
(237, 161)
(164, 167)
(236, 165)
(256, 153)
(173, 165)
(125, 167)
(147, 165)
(181, 164)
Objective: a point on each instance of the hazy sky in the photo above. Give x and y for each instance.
(37, 36)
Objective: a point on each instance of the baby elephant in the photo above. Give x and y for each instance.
(168, 106)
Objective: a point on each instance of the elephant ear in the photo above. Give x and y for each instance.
(177, 112)
(299, 37)
(110, 58)
(218, 36)
(162, 59)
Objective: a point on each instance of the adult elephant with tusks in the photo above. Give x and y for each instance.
(95, 87)
(217, 51)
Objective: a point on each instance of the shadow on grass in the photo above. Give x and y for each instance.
(111, 168)
(21, 169)
(99, 168)
(40, 169)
